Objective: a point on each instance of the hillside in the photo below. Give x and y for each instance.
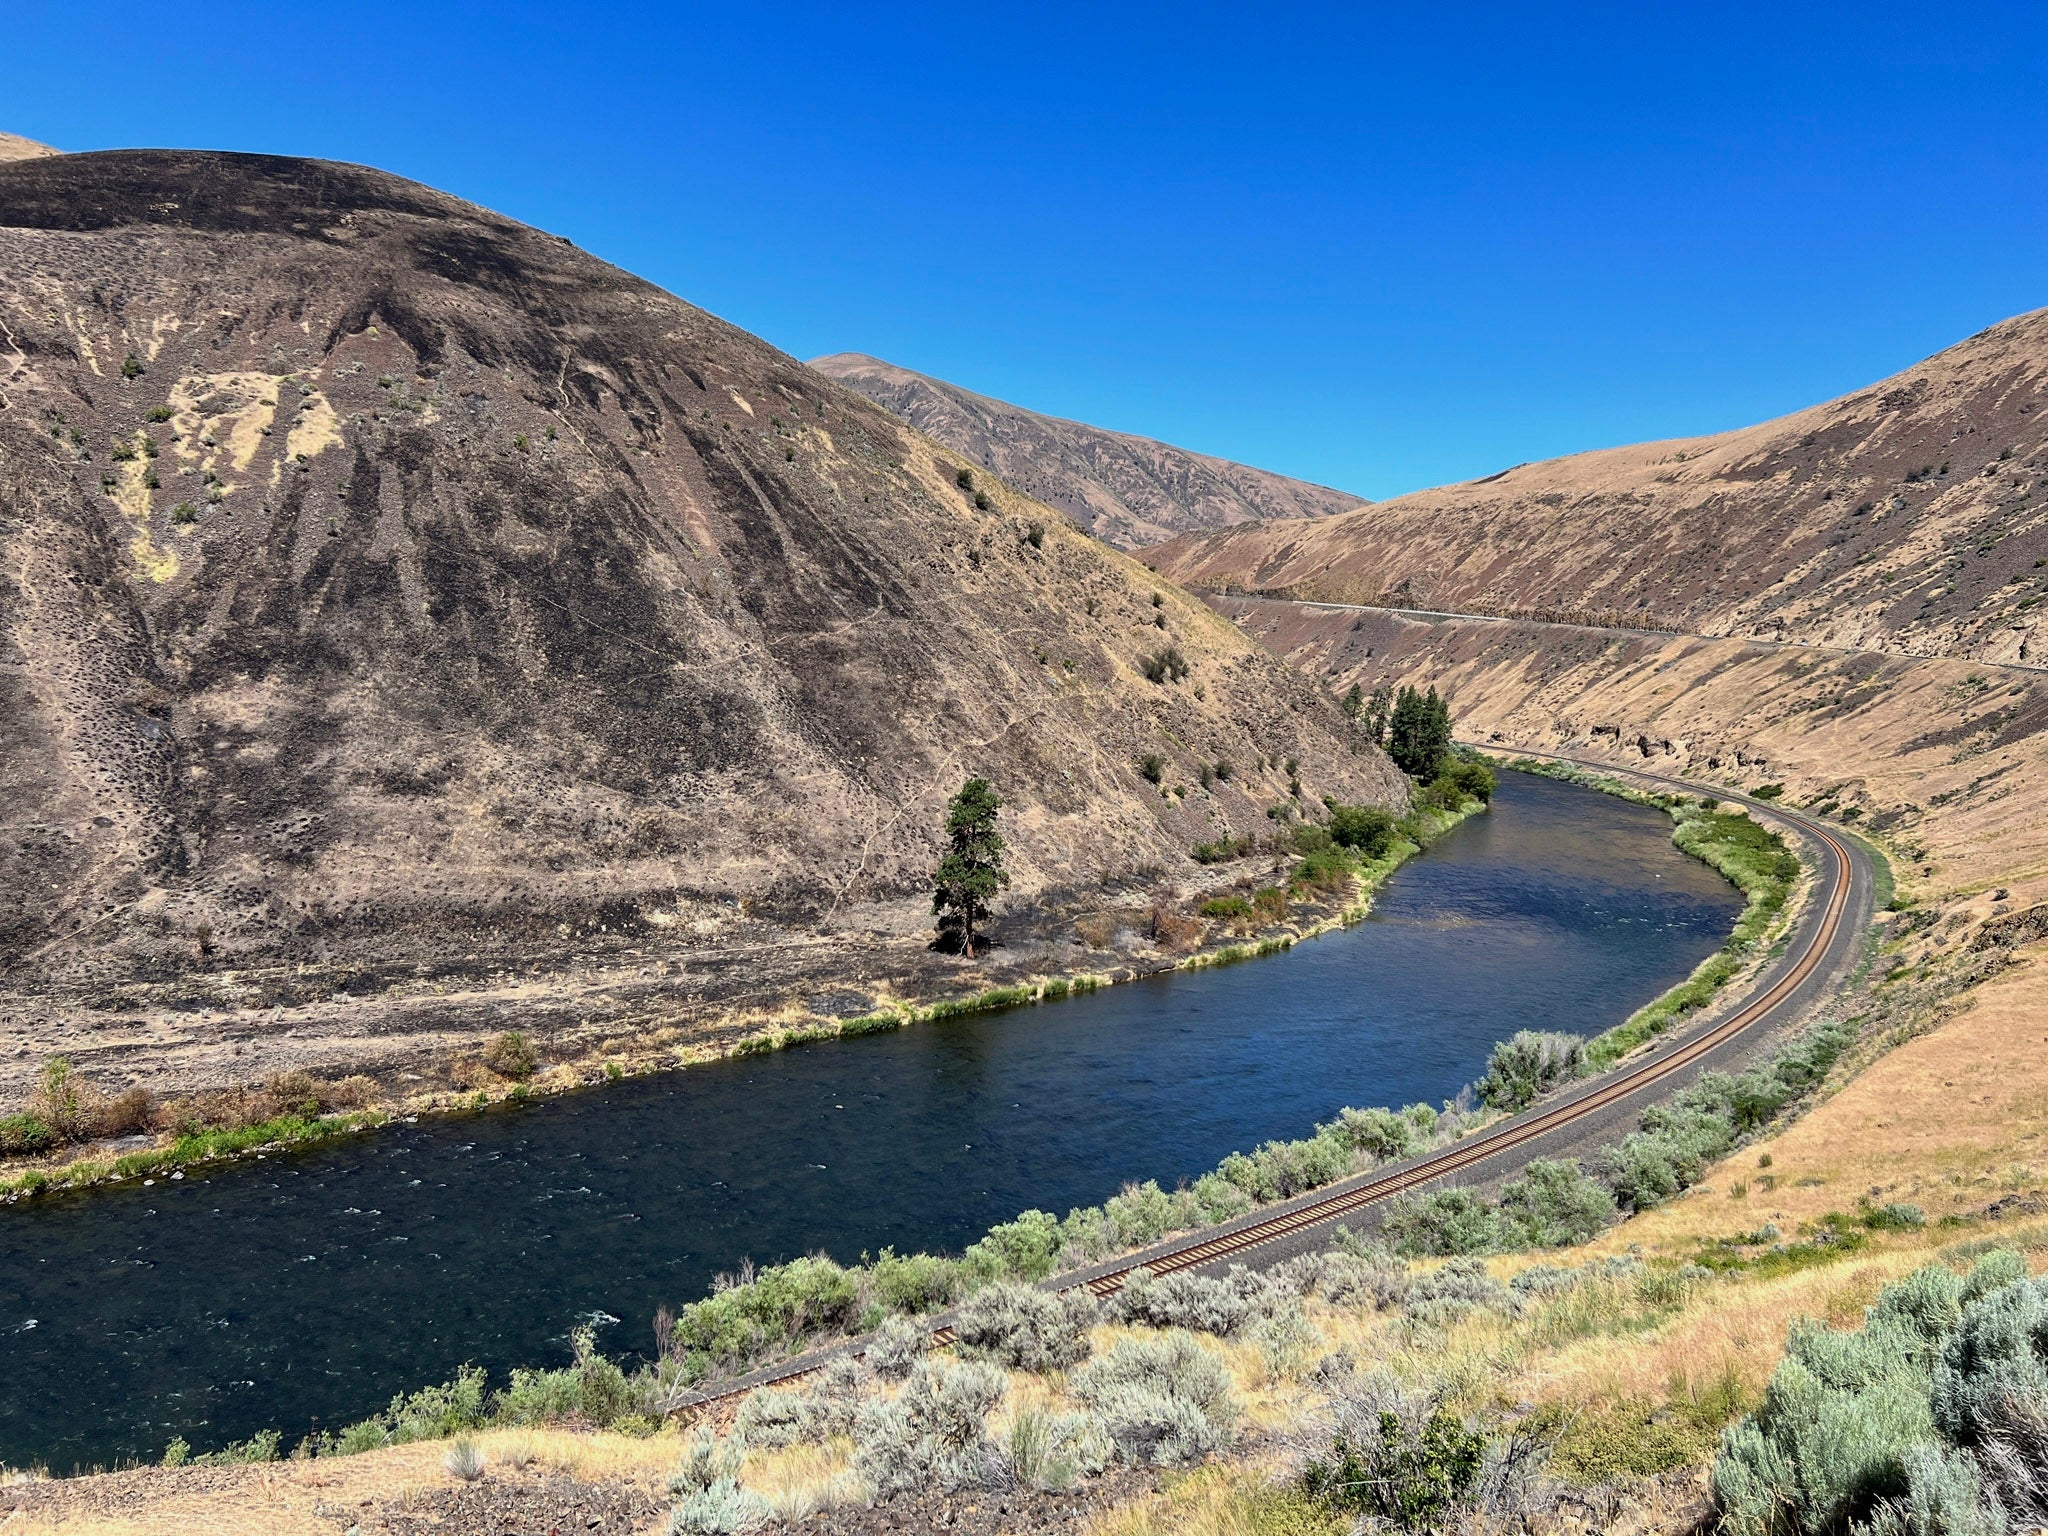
(395, 592)
(1128, 491)
(1908, 516)
(14, 147)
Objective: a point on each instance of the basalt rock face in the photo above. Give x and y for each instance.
(1127, 491)
(385, 577)
(1910, 517)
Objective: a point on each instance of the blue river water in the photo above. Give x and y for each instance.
(306, 1289)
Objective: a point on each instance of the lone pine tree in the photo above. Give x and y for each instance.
(971, 872)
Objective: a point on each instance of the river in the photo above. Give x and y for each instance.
(308, 1287)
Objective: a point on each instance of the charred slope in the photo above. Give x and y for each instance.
(1128, 491)
(1909, 516)
(385, 577)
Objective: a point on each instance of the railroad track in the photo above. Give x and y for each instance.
(1603, 1093)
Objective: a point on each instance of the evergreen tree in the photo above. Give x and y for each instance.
(1419, 734)
(1436, 737)
(1354, 701)
(1379, 714)
(971, 873)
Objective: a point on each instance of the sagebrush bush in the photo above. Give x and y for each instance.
(770, 1418)
(1195, 1302)
(1460, 1287)
(1163, 1402)
(721, 1508)
(935, 1434)
(1931, 1417)
(1527, 1065)
(1350, 1279)
(897, 1347)
(1025, 1328)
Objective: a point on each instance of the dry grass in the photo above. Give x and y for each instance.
(286, 1498)
(1219, 1501)
(803, 1479)
(1951, 1122)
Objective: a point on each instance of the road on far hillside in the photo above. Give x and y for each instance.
(1214, 597)
(1824, 946)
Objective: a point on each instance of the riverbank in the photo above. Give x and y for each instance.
(1177, 936)
(1747, 854)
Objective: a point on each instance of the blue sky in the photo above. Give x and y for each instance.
(1363, 245)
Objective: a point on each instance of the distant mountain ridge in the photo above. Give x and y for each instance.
(1908, 516)
(1128, 491)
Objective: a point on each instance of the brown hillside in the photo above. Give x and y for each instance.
(1128, 491)
(14, 147)
(1907, 517)
(391, 585)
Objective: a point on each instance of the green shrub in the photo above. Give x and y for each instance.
(916, 1282)
(25, 1133)
(753, 1319)
(1383, 1133)
(1152, 767)
(1402, 1460)
(1553, 1204)
(1025, 1249)
(1447, 1221)
(1472, 777)
(1365, 829)
(1225, 907)
(1164, 666)
(1222, 851)
(511, 1055)
(131, 367)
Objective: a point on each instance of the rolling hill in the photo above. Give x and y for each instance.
(390, 586)
(1905, 517)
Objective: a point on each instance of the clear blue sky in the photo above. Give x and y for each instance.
(1377, 246)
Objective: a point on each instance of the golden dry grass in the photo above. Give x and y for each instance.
(1218, 1501)
(1951, 1122)
(286, 1498)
